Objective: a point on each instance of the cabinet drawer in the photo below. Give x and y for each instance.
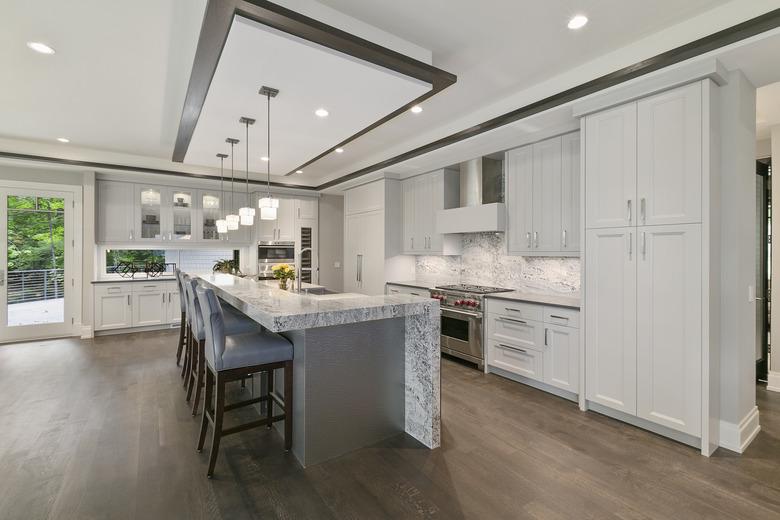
(109, 289)
(519, 310)
(403, 289)
(524, 333)
(515, 359)
(562, 316)
(141, 287)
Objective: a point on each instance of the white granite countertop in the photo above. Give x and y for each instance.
(280, 311)
(151, 279)
(560, 299)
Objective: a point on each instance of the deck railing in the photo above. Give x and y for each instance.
(35, 285)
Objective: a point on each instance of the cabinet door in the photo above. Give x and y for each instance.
(610, 318)
(610, 168)
(306, 208)
(519, 166)
(208, 212)
(285, 220)
(409, 214)
(149, 213)
(372, 262)
(562, 357)
(669, 166)
(182, 215)
(547, 195)
(570, 192)
(173, 306)
(353, 244)
(149, 306)
(114, 212)
(113, 308)
(669, 326)
(266, 229)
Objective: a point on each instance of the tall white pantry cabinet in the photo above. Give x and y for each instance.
(646, 184)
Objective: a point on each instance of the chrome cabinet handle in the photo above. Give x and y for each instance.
(131, 234)
(412, 241)
(163, 295)
(630, 245)
(512, 348)
(536, 239)
(564, 238)
(528, 239)
(359, 268)
(629, 210)
(502, 318)
(545, 336)
(559, 317)
(644, 245)
(128, 299)
(643, 210)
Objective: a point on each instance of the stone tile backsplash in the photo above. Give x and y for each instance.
(485, 262)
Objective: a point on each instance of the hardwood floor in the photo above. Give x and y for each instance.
(100, 429)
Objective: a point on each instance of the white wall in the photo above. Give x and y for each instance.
(738, 257)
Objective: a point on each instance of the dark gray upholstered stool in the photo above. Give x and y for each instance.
(230, 358)
(235, 323)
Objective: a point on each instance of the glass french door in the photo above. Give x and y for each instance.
(36, 263)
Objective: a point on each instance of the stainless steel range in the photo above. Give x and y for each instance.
(461, 319)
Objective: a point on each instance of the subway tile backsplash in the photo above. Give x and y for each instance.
(484, 261)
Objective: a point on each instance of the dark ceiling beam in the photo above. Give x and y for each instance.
(747, 29)
(213, 35)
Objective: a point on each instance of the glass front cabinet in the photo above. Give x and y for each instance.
(210, 211)
(163, 214)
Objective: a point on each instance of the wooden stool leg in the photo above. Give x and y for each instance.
(219, 411)
(269, 405)
(199, 381)
(194, 362)
(288, 404)
(187, 342)
(208, 409)
(180, 346)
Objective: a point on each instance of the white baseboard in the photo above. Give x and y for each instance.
(737, 437)
(773, 381)
(86, 332)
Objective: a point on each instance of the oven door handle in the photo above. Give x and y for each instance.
(460, 314)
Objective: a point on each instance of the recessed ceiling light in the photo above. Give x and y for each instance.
(339, 150)
(577, 22)
(321, 112)
(265, 159)
(63, 139)
(40, 47)
(298, 171)
(416, 109)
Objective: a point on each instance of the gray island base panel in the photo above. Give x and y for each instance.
(365, 367)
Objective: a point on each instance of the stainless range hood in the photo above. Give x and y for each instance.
(481, 199)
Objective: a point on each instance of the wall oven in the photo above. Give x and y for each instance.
(270, 254)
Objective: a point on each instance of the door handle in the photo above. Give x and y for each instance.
(629, 210)
(643, 210)
(545, 336)
(536, 239)
(528, 239)
(128, 299)
(644, 245)
(630, 244)
(564, 238)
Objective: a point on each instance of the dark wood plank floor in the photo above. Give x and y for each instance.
(99, 429)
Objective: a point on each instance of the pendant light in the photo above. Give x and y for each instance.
(247, 213)
(268, 204)
(232, 218)
(222, 226)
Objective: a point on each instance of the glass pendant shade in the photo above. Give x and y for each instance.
(247, 216)
(232, 222)
(268, 207)
(222, 226)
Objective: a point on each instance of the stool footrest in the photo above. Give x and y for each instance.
(240, 404)
(253, 424)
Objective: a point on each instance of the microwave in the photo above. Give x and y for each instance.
(275, 252)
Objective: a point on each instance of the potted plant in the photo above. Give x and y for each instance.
(227, 266)
(283, 272)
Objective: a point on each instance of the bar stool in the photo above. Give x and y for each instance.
(235, 323)
(183, 327)
(229, 358)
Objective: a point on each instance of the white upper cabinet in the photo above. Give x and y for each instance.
(570, 192)
(285, 220)
(209, 211)
(283, 229)
(424, 196)
(114, 212)
(306, 208)
(542, 186)
(669, 323)
(669, 160)
(148, 214)
(547, 196)
(182, 214)
(610, 163)
(610, 318)
(519, 165)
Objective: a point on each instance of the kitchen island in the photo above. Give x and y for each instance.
(365, 367)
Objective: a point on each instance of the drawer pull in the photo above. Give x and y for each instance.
(502, 318)
(559, 317)
(512, 348)
(114, 290)
(150, 286)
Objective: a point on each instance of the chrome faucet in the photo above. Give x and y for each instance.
(298, 267)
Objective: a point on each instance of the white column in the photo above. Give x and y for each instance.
(774, 366)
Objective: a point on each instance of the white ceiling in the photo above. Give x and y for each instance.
(117, 81)
(308, 76)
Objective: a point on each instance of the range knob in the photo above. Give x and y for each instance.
(458, 302)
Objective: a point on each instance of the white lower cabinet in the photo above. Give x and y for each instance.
(405, 289)
(537, 342)
(126, 305)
